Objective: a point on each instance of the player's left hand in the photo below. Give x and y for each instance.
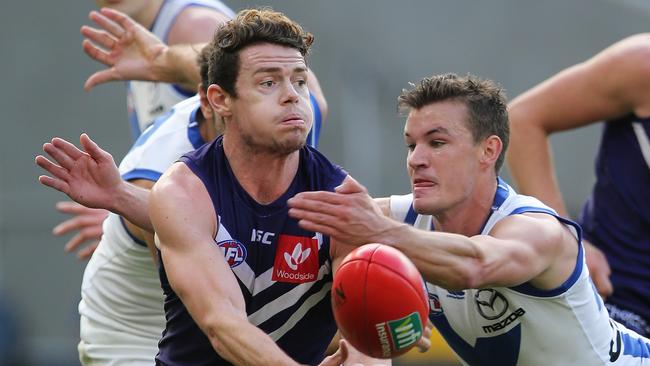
(349, 214)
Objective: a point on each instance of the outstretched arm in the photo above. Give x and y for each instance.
(508, 256)
(91, 178)
(612, 84)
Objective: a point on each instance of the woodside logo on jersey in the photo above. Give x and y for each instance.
(296, 259)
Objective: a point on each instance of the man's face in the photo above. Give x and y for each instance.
(272, 112)
(442, 160)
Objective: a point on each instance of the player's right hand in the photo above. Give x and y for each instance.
(123, 45)
(87, 222)
(89, 176)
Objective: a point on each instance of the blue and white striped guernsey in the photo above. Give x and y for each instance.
(524, 325)
(284, 272)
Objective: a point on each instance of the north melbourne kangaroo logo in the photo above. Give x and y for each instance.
(297, 257)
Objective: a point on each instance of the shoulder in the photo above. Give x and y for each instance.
(178, 181)
(625, 68)
(178, 189)
(196, 24)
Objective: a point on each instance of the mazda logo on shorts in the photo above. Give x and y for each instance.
(491, 304)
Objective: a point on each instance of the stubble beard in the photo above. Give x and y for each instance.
(274, 146)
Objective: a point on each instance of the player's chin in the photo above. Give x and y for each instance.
(290, 143)
(424, 206)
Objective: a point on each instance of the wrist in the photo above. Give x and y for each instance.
(161, 66)
(120, 197)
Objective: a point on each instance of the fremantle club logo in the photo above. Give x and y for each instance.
(233, 251)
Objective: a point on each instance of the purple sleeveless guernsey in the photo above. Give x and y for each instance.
(616, 218)
(284, 272)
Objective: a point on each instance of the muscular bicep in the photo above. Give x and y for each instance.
(611, 84)
(185, 223)
(531, 247)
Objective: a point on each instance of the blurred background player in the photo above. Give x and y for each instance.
(613, 86)
(172, 21)
(121, 308)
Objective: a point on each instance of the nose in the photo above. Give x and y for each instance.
(416, 158)
(290, 94)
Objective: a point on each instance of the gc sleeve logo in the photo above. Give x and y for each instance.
(296, 259)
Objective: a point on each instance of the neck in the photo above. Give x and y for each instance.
(148, 14)
(264, 176)
(468, 217)
(209, 130)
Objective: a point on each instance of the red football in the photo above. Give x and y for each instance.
(380, 301)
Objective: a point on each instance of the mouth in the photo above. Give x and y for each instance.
(293, 120)
(423, 183)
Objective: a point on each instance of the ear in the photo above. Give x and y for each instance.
(206, 109)
(219, 100)
(492, 147)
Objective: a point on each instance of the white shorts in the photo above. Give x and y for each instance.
(114, 348)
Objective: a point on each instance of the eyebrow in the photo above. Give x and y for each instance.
(263, 70)
(432, 131)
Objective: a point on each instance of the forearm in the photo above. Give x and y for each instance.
(530, 161)
(445, 259)
(131, 202)
(178, 64)
(242, 343)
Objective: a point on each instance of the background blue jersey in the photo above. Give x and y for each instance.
(616, 218)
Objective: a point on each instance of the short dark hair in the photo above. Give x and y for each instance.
(251, 26)
(203, 60)
(485, 101)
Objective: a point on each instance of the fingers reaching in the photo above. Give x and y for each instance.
(350, 185)
(91, 147)
(119, 18)
(99, 37)
(58, 155)
(69, 149)
(88, 251)
(102, 19)
(57, 171)
(80, 222)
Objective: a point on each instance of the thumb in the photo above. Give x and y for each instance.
(339, 357)
(350, 185)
